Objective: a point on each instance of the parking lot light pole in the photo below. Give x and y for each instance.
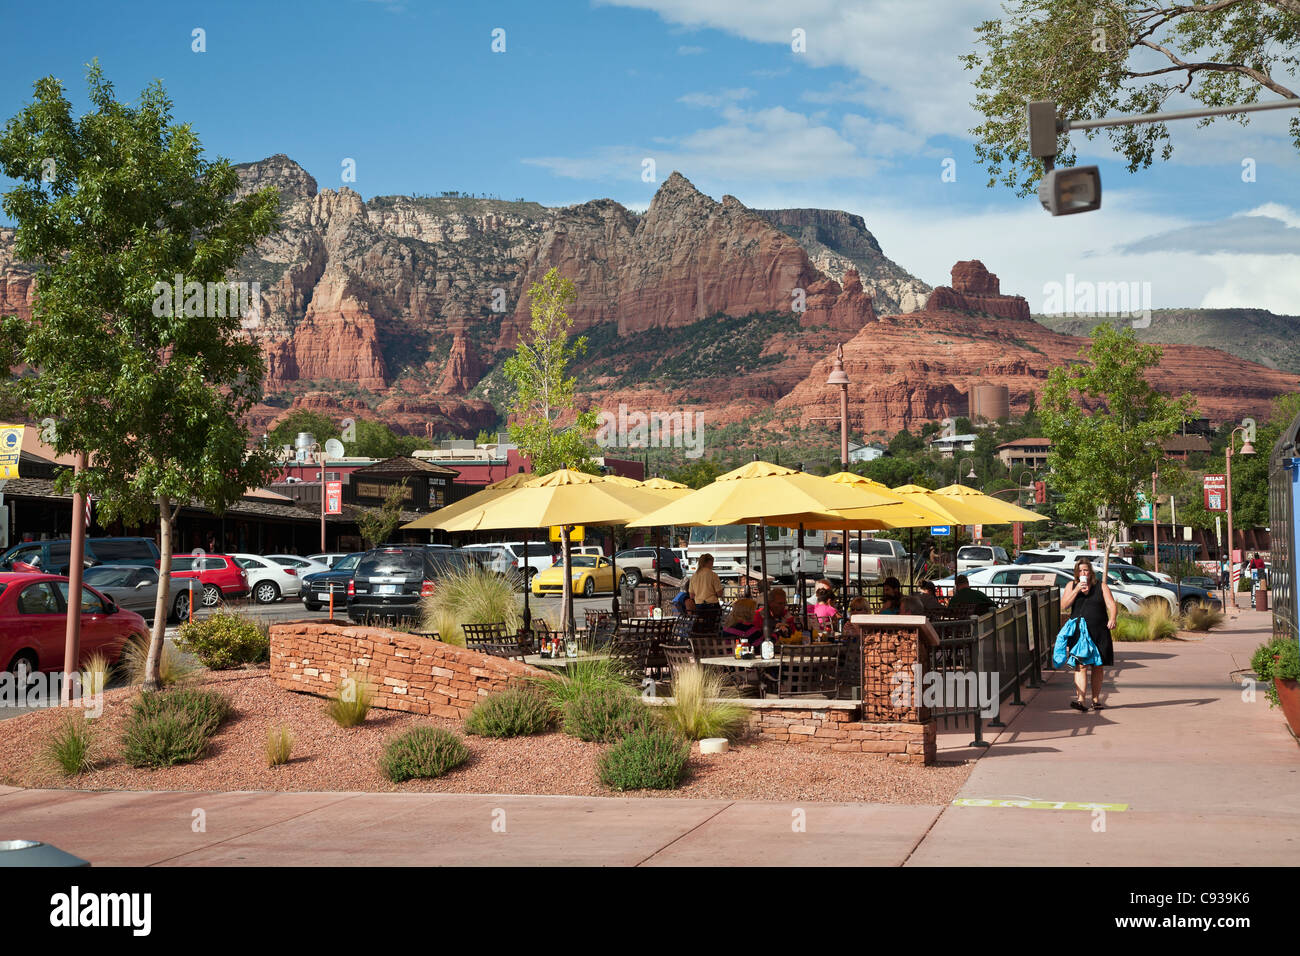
(1246, 449)
(841, 378)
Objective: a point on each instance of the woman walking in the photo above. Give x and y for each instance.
(1088, 597)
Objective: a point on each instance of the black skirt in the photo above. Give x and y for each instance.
(1092, 608)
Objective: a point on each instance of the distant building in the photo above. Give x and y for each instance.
(1024, 453)
(860, 452)
(1180, 446)
(952, 443)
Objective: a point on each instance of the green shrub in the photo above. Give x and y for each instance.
(171, 727)
(471, 595)
(423, 752)
(1276, 659)
(699, 709)
(172, 668)
(1202, 617)
(648, 758)
(605, 715)
(279, 746)
(583, 677)
(351, 701)
(515, 712)
(1152, 622)
(69, 748)
(223, 641)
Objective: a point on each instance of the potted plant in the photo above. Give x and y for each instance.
(1278, 661)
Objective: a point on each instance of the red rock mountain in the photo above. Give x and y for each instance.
(406, 306)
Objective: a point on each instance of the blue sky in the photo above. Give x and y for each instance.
(862, 120)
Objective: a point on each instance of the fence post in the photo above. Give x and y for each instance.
(1031, 637)
(993, 625)
(1015, 653)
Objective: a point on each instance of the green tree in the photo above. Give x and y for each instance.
(377, 524)
(1098, 58)
(110, 208)
(696, 474)
(905, 443)
(302, 420)
(1102, 457)
(1250, 472)
(542, 391)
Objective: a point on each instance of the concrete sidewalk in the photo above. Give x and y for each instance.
(1208, 779)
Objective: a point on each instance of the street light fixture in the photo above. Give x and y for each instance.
(1246, 449)
(841, 378)
(971, 475)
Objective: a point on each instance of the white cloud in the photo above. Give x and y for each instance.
(716, 100)
(690, 50)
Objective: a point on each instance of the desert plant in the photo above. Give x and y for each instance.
(351, 702)
(69, 747)
(1276, 659)
(1203, 617)
(699, 708)
(583, 677)
(514, 712)
(648, 758)
(94, 674)
(470, 595)
(1152, 622)
(605, 715)
(172, 668)
(424, 752)
(279, 745)
(171, 727)
(224, 640)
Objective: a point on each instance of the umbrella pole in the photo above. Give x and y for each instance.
(528, 614)
(659, 584)
(861, 583)
(566, 613)
(848, 581)
(762, 554)
(911, 549)
(613, 560)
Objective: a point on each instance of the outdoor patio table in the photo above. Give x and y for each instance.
(561, 663)
(756, 665)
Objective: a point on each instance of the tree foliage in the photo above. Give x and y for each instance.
(542, 390)
(1106, 424)
(107, 207)
(377, 524)
(1098, 58)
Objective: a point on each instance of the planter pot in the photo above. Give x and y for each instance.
(1288, 694)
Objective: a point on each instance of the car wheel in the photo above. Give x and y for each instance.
(211, 595)
(589, 587)
(622, 581)
(1189, 603)
(267, 592)
(311, 605)
(23, 667)
(181, 607)
(633, 577)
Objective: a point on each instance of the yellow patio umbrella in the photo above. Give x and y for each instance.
(623, 480)
(1003, 511)
(958, 510)
(663, 484)
(491, 492)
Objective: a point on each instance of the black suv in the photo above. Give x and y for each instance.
(389, 581)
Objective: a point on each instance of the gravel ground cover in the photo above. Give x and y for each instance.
(327, 757)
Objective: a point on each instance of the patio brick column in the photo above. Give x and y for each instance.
(894, 654)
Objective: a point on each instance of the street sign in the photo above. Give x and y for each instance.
(977, 532)
(1216, 492)
(334, 497)
(1144, 508)
(941, 530)
(576, 533)
(11, 449)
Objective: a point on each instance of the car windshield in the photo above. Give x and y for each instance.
(247, 563)
(584, 561)
(108, 577)
(408, 563)
(347, 563)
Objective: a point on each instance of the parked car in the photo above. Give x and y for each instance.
(1198, 581)
(388, 582)
(1180, 597)
(136, 589)
(300, 564)
(328, 558)
(590, 573)
(587, 549)
(533, 556)
(52, 557)
(220, 575)
(1010, 576)
(973, 556)
(33, 623)
(317, 587)
(497, 558)
(269, 580)
(872, 559)
(684, 559)
(1067, 558)
(637, 564)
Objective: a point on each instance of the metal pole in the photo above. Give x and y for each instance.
(1155, 524)
(1232, 561)
(76, 558)
(762, 552)
(803, 597)
(613, 561)
(528, 584)
(1064, 125)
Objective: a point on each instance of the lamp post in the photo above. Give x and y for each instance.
(1246, 449)
(841, 378)
(971, 475)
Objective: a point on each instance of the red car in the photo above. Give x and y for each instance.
(221, 576)
(33, 623)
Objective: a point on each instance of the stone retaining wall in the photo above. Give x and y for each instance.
(408, 673)
(842, 729)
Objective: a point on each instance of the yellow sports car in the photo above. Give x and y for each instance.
(591, 573)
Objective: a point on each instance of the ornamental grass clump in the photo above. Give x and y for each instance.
(422, 752)
(471, 595)
(279, 746)
(514, 712)
(69, 749)
(173, 669)
(223, 641)
(605, 715)
(652, 757)
(173, 726)
(95, 673)
(1152, 622)
(1203, 617)
(700, 709)
(583, 677)
(351, 701)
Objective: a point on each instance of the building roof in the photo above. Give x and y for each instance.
(936, 439)
(402, 466)
(1185, 443)
(1025, 443)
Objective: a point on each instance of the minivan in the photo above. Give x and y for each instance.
(52, 556)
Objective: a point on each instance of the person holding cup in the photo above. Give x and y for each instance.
(1089, 597)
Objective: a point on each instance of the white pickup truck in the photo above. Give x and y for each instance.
(879, 558)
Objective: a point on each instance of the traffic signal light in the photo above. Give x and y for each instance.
(1040, 492)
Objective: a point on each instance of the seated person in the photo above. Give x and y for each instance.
(966, 597)
(743, 623)
(859, 605)
(912, 605)
(891, 595)
(824, 610)
(929, 597)
(782, 621)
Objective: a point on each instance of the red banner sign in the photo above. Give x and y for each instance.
(1216, 492)
(334, 497)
